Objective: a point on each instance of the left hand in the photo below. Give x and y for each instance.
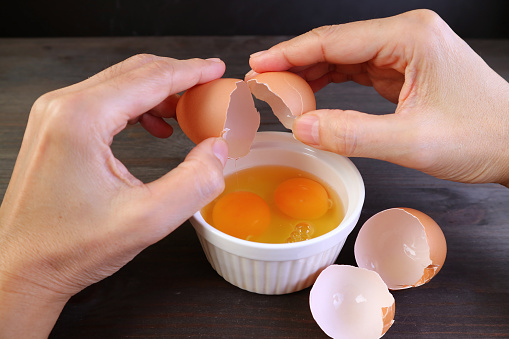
(73, 214)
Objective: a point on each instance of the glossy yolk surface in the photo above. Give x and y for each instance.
(302, 198)
(241, 214)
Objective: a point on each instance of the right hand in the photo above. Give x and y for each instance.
(452, 118)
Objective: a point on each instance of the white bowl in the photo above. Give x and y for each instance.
(290, 267)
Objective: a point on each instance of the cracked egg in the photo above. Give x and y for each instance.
(405, 246)
(225, 107)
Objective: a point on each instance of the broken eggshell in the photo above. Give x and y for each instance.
(225, 107)
(220, 108)
(351, 302)
(287, 94)
(405, 246)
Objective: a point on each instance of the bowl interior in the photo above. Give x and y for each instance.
(279, 148)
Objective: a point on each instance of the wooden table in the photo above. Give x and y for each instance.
(170, 290)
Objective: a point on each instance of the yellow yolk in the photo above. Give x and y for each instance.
(301, 198)
(263, 181)
(241, 214)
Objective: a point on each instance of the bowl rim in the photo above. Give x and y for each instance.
(298, 250)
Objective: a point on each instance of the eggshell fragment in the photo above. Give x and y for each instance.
(351, 302)
(220, 108)
(405, 246)
(287, 94)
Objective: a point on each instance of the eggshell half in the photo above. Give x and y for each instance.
(220, 108)
(287, 94)
(405, 246)
(351, 302)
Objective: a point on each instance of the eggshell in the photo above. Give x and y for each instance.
(225, 107)
(220, 108)
(288, 94)
(405, 246)
(350, 302)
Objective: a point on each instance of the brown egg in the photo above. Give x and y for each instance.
(220, 108)
(225, 107)
(405, 246)
(287, 94)
(351, 302)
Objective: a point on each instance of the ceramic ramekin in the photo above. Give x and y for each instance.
(290, 267)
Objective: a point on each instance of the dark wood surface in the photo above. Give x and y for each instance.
(170, 290)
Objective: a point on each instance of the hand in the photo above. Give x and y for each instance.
(73, 214)
(452, 118)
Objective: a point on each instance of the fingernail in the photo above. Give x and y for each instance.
(220, 149)
(214, 59)
(250, 74)
(306, 127)
(257, 54)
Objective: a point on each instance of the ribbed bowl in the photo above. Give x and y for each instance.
(290, 267)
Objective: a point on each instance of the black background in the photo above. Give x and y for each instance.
(57, 18)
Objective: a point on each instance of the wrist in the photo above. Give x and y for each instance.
(26, 309)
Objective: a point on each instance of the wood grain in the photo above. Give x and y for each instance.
(170, 290)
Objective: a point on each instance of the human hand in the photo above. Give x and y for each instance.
(73, 214)
(452, 117)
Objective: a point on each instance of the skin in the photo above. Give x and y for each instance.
(56, 221)
(452, 115)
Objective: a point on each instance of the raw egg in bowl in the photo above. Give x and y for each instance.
(279, 268)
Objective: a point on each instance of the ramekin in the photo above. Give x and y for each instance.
(289, 267)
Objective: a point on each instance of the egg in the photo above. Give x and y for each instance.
(225, 107)
(404, 246)
(220, 108)
(351, 302)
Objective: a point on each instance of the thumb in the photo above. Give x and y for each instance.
(186, 189)
(357, 134)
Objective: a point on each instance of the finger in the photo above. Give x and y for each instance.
(186, 189)
(127, 96)
(153, 120)
(321, 74)
(319, 70)
(156, 126)
(355, 134)
(120, 68)
(167, 108)
(351, 43)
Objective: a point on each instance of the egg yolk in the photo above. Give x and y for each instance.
(301, 198)
(241, 214)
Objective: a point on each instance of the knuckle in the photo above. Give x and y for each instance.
(324, 34)
(324, 31)
(162, 66)
(160, 70)
(426, 16)
(342, 132)
(427, 24)
(141, 58)
(133, 61)
(58, 115)
(42, 103)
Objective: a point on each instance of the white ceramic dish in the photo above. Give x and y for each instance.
(284, 268)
